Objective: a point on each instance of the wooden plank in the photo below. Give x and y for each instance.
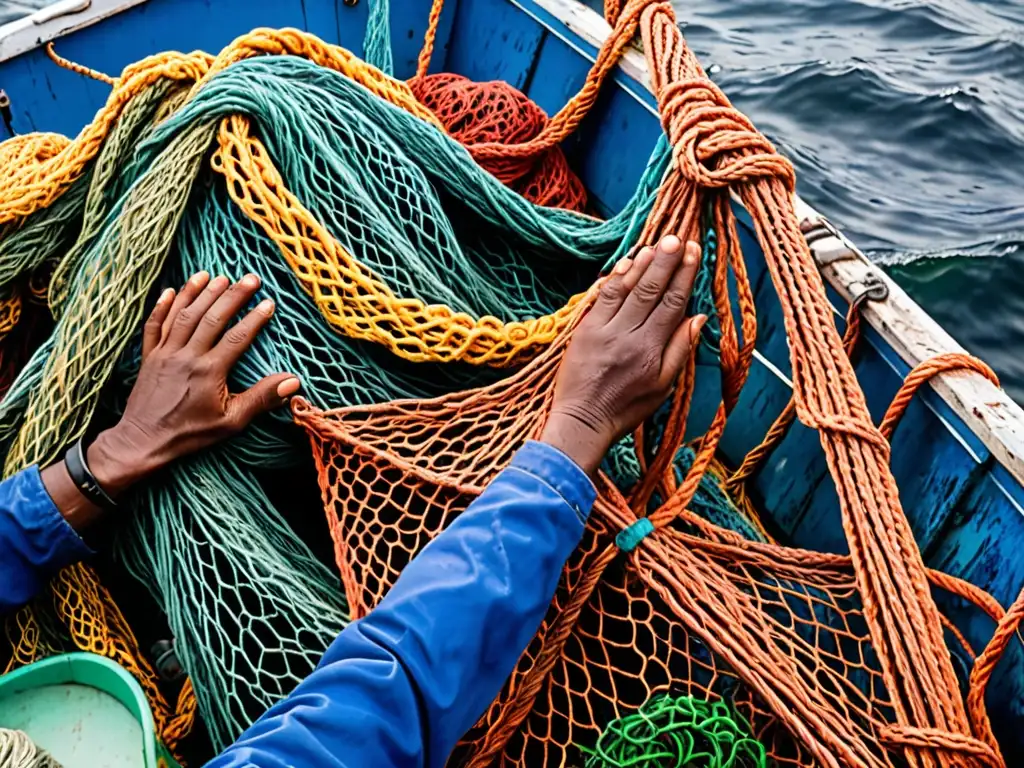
(49, 23)
(612, 146)
(789, 481)
(325, 18)
(983, 547)
(408, 26)
(45, 97)
(492, 40)
(48, 98)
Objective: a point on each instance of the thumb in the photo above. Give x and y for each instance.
(265, 395)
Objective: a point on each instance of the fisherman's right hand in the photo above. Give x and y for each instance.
(626, 354)
(181, 402)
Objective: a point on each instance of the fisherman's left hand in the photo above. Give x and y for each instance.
(180, 403)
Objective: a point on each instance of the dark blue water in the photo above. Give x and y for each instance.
(906, 123)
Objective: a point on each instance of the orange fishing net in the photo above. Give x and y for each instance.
(836, 660)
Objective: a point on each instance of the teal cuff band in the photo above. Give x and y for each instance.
(629, 537)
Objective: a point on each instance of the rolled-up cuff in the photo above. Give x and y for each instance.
(557, 470)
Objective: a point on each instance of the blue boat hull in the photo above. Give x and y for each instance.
(965, 507)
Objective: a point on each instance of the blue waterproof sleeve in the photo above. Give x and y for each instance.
(35, 540)
(402, 685)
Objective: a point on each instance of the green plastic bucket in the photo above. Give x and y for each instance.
(83, 709)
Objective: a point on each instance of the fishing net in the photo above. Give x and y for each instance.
(425, 302)
(249, 605)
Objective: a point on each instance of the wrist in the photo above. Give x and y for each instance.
(116, 462)
(585, 444)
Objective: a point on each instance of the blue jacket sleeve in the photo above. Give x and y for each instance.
(400, 686)
(35, 540)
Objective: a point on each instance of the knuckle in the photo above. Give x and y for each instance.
(184, 317)
(650, 362)
(237, 336)
(675, 300)
(212, 319)
(647, 290)
(611, 291)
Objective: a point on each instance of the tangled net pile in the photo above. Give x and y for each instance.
(426, 303)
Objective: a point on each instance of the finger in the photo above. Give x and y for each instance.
(679, 348)
(151, 331)
(267, 394)
(622, 266)
(639, 267)
(220, 313)
(652, 284)
(238, 339)
(617, 287)
(672, 308)
(185, 297)
(188, 319)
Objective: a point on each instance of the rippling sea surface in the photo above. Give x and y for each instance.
(906, 123)
(905, 120)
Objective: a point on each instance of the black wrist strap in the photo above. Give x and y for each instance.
(84, 479)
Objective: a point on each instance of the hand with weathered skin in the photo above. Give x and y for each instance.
(627, 353)
(180, 402)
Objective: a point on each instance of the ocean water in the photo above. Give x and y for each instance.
(905, 119)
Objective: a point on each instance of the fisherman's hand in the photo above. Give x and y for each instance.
(181, 402)
(627, 353)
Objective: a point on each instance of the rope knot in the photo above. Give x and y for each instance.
(715, 145)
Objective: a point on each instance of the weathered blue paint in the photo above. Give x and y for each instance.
(966, 511)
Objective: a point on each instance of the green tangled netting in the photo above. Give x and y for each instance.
(251, 607)
(669, 732)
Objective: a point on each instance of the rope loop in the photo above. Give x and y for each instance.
(923, 372)
(714, 144)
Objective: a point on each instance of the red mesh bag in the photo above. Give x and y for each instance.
(495, 112)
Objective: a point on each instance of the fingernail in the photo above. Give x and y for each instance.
(623, 266)
(266, 306)
(219, 283)
(251, 281)
(670, 244)
(166, 296)
(695, 325)
(199, 277)
(645, 253)
(288, 387)
(692, 254)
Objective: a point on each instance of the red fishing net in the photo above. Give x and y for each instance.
(496, 113)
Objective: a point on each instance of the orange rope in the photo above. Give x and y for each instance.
(60, 61)
(944, 363)
(777, 431)
(985, 666)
